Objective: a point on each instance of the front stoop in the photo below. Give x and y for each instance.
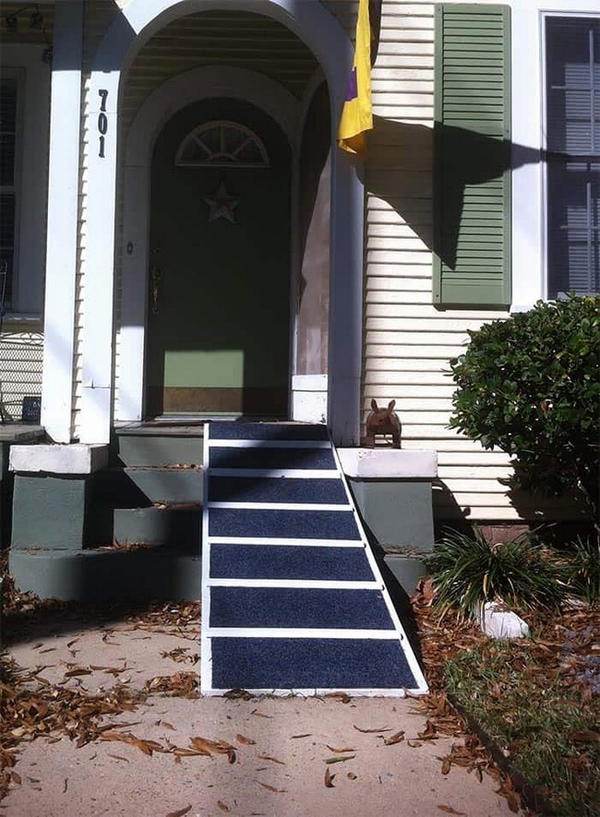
(91, 526)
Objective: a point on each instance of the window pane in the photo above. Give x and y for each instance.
(573, 227)
(573, 84)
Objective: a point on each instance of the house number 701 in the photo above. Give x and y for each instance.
(102, 122)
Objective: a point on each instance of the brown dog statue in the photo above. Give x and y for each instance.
(382, 421)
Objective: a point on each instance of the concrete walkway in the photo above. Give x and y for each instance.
(281, 773)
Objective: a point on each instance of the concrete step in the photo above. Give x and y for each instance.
(137, 487)
(158, 445)
(103, 575)
(174, 525)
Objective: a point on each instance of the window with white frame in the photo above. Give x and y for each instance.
(8, 183)
(573, 154)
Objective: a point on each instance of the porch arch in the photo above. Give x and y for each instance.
(136, 23)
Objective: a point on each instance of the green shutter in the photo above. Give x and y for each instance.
(472, 244)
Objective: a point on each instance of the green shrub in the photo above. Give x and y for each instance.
(466, 570)
(530, 385)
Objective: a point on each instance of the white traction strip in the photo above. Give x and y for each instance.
(298, 584)
(279, 506)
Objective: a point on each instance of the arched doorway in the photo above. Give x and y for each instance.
(135, 26)
(218, 317)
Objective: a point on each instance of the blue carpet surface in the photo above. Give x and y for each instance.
(267, 431)
(297, 663)
(256, 662)
(278, 489)
(288, 562)
(305, 458)
(291, 607)
(282, 524)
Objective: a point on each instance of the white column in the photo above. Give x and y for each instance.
(346, 296)
(97, 335)
(61, 246)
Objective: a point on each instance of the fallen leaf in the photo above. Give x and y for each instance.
(179, 813)
(260, 714)
(369, 731)
(398, 737)
(295, 737)
(214, 747)
(269, 788)
(585, 736)
(245, 741)
(329, 779)
(446, 765)
(222, 805)
(341, 750)
(450, 810)
(119, 757)
(16, 778)
(331, 760)
(76, 671)
(351, 776)
(234, 694)
(343, 697)
(272, 759)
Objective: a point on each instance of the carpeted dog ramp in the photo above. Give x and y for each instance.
(292, 598)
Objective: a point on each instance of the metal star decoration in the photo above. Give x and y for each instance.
(221, 204)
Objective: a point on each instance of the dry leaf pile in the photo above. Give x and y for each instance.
(32, 708)
(181, 684)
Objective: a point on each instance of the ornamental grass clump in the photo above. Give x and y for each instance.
(468, 570)
(582, 570)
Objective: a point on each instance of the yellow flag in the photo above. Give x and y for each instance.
(357, 116)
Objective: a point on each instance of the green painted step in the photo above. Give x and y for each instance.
(177, 526)
(158, 446)
(136, 487)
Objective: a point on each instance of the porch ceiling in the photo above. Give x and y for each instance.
(239, 39)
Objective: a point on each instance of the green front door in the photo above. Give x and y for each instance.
(218, 314)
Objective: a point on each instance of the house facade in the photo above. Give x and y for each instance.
(182, 238)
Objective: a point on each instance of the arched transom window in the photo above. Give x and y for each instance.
(222, 144)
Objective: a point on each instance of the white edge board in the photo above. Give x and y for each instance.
(389, 692)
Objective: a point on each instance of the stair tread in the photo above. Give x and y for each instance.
(309, 664)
